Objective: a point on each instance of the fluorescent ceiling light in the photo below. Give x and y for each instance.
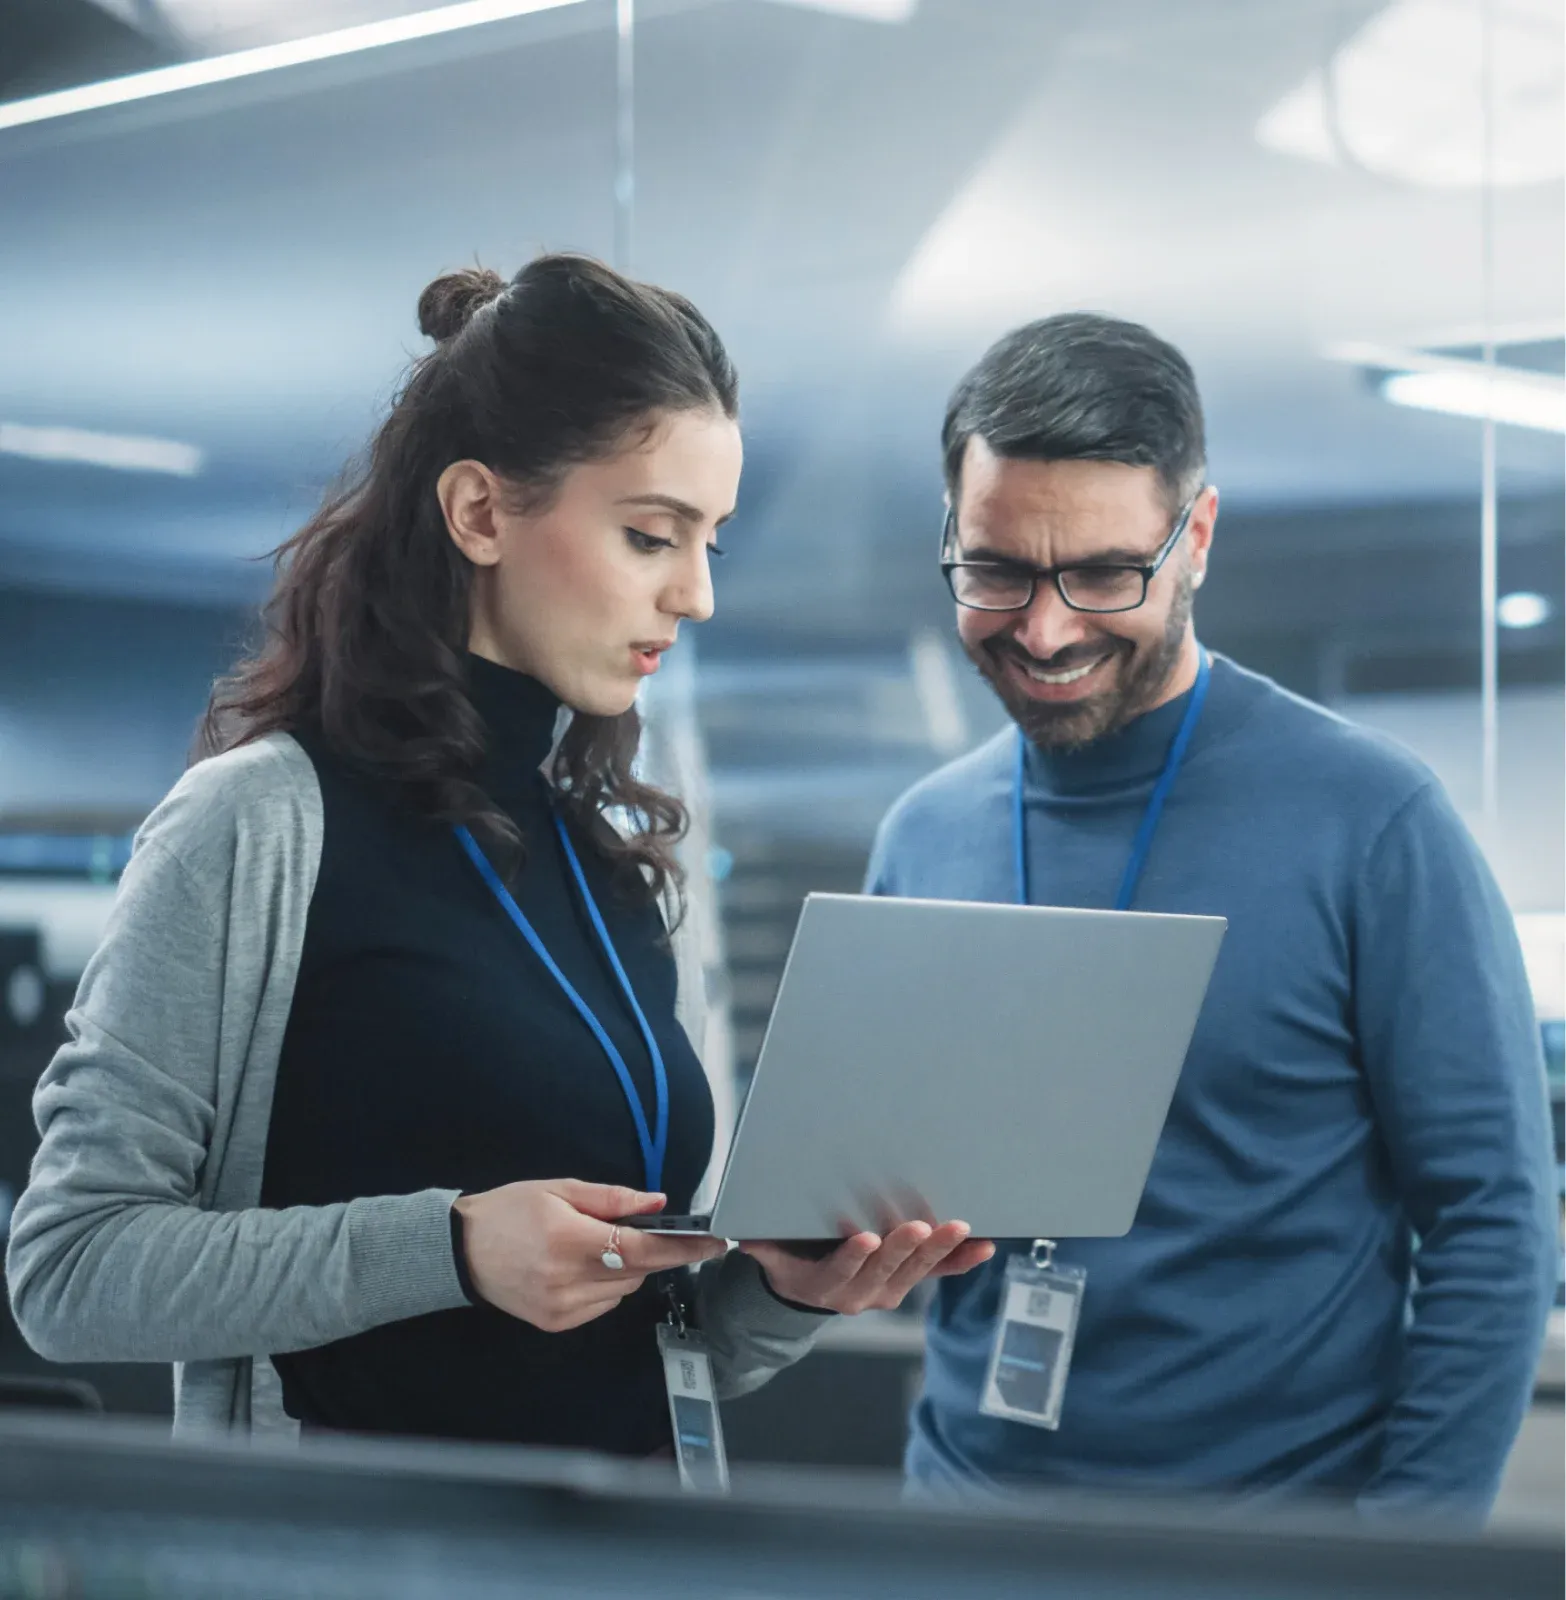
(1522, 610)
(215, 27)
(1403, 98)
(122, 451)
(1431, 381)
(867, 10)
(1502, 396)
(268, 58)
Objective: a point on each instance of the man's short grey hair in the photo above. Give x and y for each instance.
(1082, 387)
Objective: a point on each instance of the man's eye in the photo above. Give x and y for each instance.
(647, 543)
(1100, 582)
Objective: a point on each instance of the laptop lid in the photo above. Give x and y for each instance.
(1009, 1066)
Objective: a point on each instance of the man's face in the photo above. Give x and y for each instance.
(1068, 677)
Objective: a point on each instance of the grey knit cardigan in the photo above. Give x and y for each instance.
(140, 1236)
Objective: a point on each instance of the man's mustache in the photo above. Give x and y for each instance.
(1063, 661)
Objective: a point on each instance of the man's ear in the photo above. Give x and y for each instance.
(469, 495)
(1204, 519)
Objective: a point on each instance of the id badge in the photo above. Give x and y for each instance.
(1034, 1334)
(693, 1409)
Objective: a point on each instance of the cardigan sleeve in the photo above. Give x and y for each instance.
(753, 1334)
(117, 1252)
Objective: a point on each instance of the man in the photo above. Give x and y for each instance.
(1366, 1072)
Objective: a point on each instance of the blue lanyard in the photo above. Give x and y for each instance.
(654, 1145)
(1143, 843)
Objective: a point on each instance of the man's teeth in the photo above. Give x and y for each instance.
(1039, 675)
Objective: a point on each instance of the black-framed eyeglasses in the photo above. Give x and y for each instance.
(1098, 586)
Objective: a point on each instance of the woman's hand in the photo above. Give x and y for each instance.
(869, 1273)
(535, 1250)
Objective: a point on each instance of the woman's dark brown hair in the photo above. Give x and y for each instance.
(367, 627)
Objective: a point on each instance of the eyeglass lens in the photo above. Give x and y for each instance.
(998, 588)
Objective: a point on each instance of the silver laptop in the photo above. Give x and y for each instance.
(1008, 1066)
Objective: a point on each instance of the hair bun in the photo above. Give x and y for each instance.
(448, 304)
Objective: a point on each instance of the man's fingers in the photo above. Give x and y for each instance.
(608, 1202)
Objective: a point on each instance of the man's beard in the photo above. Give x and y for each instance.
(1141, 679)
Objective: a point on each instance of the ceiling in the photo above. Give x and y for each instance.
(859, 206)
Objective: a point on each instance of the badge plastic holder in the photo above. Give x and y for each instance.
(693, 1407)
(1035, 1331)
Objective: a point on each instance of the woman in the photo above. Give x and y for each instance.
(324, 1116)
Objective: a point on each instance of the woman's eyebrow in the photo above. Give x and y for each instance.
(682, 509)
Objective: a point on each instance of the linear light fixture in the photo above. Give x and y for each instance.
(267, 58)
(1498, 395)
(1461, 388)
(124, 452)
(866, 10)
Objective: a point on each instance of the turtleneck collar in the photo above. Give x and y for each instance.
(519, 718)
(1132, 755)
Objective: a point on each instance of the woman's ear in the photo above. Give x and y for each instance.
(469, 496)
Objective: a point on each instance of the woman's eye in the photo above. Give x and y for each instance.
(647, 542)
(716, 550)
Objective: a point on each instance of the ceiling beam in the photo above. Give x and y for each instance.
(58, 44)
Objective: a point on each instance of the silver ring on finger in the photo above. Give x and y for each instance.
(611, 1256)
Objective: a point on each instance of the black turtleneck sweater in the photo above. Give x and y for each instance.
(428, 1047)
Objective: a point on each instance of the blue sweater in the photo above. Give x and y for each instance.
(1366, 1072)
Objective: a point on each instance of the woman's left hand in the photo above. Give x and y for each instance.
(868, 1272)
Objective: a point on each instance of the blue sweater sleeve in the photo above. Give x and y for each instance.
(890, 845)
(1452, 1055)
(879, 869)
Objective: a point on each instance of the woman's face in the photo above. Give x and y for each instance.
(587, 593)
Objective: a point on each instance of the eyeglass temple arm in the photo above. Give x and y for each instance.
(1181, 522)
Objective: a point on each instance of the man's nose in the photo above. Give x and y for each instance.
(1049, 625)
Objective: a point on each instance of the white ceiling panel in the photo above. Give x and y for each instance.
(859, 206)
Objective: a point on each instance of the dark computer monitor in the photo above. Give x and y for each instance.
(111, 1510)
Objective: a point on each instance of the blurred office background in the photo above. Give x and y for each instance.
(1340, 209)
